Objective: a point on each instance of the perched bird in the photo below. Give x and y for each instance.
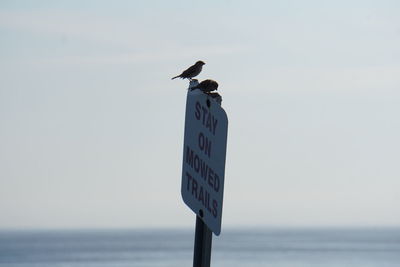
(192, 71)
(207, 86)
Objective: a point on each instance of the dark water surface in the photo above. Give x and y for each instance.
(268, 247)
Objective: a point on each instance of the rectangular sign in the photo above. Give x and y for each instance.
(204, 152)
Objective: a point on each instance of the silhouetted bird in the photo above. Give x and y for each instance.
(207, 86)
(192, 71)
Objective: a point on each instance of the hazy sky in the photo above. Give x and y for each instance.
(91, 125)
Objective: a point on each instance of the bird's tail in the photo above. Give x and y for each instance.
(175, 77)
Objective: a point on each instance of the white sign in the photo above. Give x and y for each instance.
(204, 151)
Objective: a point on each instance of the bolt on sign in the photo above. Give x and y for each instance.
(204, 152)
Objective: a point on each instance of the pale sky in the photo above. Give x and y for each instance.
(91, 125)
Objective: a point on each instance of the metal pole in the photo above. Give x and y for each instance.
(202, 244)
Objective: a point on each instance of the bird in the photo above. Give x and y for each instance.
(207, 86)
(192, 71)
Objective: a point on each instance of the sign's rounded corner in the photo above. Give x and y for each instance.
(225, 115)
(217, 233)
(183, 198)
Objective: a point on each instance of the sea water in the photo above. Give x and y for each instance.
(244, 247)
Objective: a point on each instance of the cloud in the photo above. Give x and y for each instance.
(55, 22)
(122, 40)
(319, 79)
(350, 78)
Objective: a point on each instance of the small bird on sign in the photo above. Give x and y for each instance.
(192, 71)
(207, 86)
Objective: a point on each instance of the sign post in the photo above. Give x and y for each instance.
(203, 171)
(202, 244)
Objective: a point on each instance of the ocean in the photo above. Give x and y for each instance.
(174, 248)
